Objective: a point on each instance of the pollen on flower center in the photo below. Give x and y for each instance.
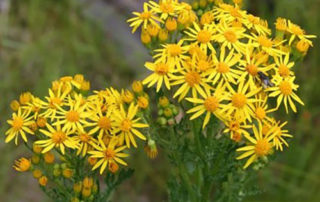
(17, 123)
(161, 69)
(211, 104)
(192, 78)
(230, 36)
(285, 88)
(264, 41)
(72, 116)
(278, 131)
(252, 69)
(126, 125)
(166, 7)
(260, 113)
(204, 36)
(145, 15)
(203, 65)
(265, 129)
(104, 123)
(55, 101)
(58, 137)
(109, 154)
(223, 68)
(174, 49)
(283, 70)
(84, 137)
(239, 100)
(234, 126)
(262, 147)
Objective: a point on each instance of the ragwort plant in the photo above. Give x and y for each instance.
(219, 74)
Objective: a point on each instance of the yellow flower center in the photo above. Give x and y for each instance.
(55, 101)
(73, 116)
(58, 137)
(253, 19)
(204, 36)
(278, 131)
(161, 69)
(283, 70)
(126, 125)
(252, 69)
(264, 41)
(211, 104)
(262, 147)
(235, 13)
(239, 100)
(166, 7)
(265, 129)
(234, 125)
(260, 113)
(192, 78)
(145, 15)
(223, 68)
(17, 123)
(84, 137)
(285, 88)
(230, 36)
(104, 123)
(174, 50)
(296, 29)
(109, 154)
(203, 65)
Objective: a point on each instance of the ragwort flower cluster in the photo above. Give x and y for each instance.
(96, 129)
(228, 64)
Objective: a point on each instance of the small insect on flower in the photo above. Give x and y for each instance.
(265, 80)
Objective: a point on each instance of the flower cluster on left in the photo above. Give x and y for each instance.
(73, 133)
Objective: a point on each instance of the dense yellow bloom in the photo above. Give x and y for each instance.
(58, 137)
(55, 100)
(259, 146)
(19, 126)
(107, 154)
(126, 124)
(201, 36)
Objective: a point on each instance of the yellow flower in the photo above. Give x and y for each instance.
(241, 101)
(279, 135)
(151, 149)
(73, 118)
(203, 37)
(210, 104)
(14, 105)
(261, 110)
(281, 24)
(22, 165)
(171, 24)
(49, 157)
(19, 126)
(127, 96)
(259, 146)
(55, 100)
(43, 181)
(144, 18)
(236, 126)
(284, 90)
(25, 98)
(85, 141)
(161, 74)
(107, 154)
(284, 66)
(59, 137)
(298, 32)
(223, 72)
(165, 8)
(268, 45)
(143, 102)
(126, 124)
(137, 87)
(37, 173)
(257, 24)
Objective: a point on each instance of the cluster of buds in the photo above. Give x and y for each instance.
(166, 112)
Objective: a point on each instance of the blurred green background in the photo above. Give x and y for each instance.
(42, 40)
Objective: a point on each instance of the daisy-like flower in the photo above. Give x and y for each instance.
(252, 65)
(210, 104)
(237, 127)
(34, 106)
(162, 73)
(20, 123)
(190, 78)
(257, 24)
(230, 37)
(165, 8)
(85, 141)
(258, 146)
(107, 154)
(223, 72)
(298, 32)
(261, 110)
(268, 45)
(55, 100)
(126, 124)
(283, 66)
(228, 12)
(203, 37)
(280, 135)
(241, 101)
(73, 118)
(58, 137)
(144, 18)
(284, 90)
(172, 53)
(22, 165)
(202, 62)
